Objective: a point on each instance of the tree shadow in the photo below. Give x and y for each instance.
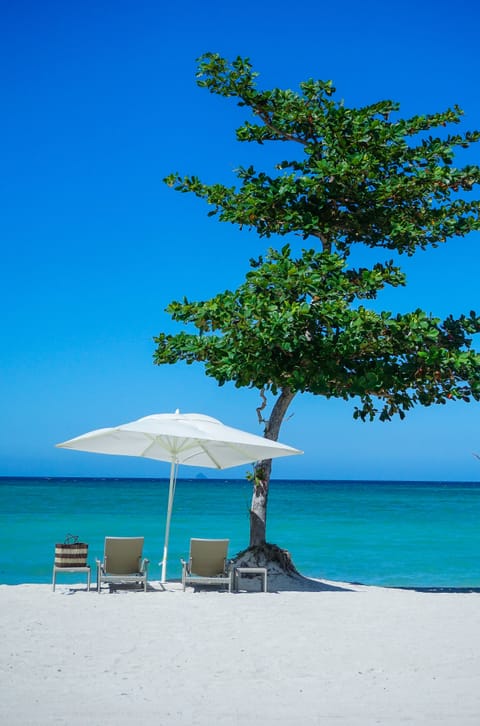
(299, 583)
(457, 590)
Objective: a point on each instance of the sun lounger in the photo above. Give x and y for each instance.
(122, 563)
(207, 563)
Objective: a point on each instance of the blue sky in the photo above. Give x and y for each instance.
(99, 103)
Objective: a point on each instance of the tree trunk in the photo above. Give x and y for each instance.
(263, 469)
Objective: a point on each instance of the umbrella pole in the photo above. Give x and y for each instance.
(171, 494)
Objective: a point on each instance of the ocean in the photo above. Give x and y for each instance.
(397, 534)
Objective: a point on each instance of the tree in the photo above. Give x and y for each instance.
(302, 323)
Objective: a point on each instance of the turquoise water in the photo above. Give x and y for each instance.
(411, 534)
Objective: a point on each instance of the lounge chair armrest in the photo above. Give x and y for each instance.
(228, 567)
(185, 565)
(144, 565)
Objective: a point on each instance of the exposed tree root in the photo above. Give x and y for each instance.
(271, 556)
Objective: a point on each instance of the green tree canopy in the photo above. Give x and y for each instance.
(303, 324)
(362, 176)
(292, 324)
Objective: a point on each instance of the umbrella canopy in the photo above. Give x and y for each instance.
(191, 438)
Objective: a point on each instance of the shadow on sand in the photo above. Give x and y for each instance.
(299, 583)
(458, 590)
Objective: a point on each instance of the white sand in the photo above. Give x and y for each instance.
(356, 656)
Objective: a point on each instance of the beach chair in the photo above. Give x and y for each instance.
(122, 563)
(207, 563)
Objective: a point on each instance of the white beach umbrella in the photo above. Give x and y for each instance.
(191, 438)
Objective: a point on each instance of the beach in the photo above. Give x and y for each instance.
(313, 653)
(391, 534)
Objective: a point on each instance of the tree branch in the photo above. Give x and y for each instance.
(265, 117)
(260, 408)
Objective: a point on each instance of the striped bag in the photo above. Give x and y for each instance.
(71, 553)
